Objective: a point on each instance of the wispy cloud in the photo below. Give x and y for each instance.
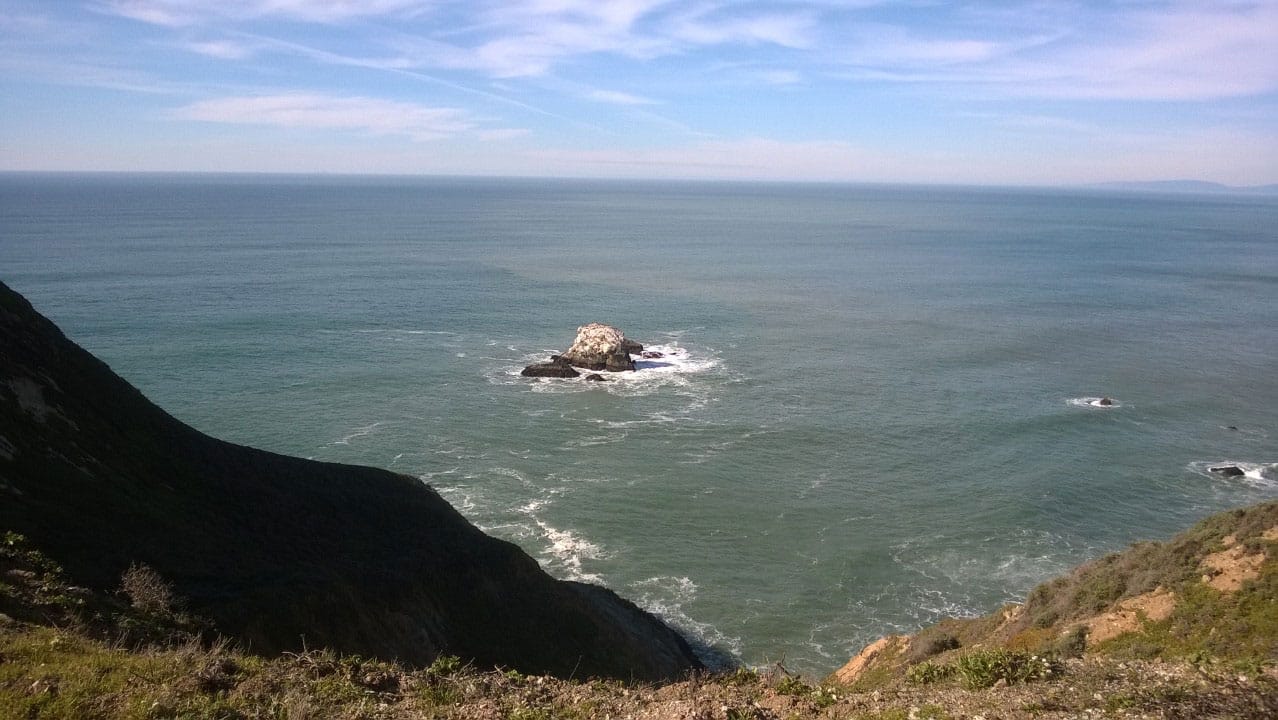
(222, 49)
(363, 114)
(176, 13)
(1185, 52)
(719, 24)
(1154, 51)
(619, 98)
(1067, 84)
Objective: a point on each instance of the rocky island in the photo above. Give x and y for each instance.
(596, 347)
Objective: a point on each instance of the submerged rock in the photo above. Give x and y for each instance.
(550, 369)
(596, 377)
(1105, 401)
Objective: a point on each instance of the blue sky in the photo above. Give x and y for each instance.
(1036, 92)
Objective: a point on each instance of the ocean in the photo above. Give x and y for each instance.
(876, 408)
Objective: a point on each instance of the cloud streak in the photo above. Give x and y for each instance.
(310, 111)
(176, 13)
(773, 88)
(614, 97)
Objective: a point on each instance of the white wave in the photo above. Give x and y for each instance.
(666, 596)
(1093, 402)
(594, 440)
(532, 506)
(567, 551)
(358, 433)
(460, 498)
(428, 476)
(1254, 473)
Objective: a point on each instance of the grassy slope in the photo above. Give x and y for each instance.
(72, 653)
(281, 552)
(1219, 619)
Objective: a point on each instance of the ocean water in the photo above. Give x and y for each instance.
(876, 409)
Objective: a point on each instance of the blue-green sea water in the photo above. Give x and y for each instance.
(876, 413)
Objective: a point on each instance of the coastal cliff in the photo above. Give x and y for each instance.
(352, 592)
(69, 652)
(281, 553)
(1210, 594)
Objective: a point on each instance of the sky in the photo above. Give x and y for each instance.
(1035, 92)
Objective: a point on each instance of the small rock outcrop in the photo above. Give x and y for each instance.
(1228, 470)
(596, 347)
(602, 347)
(1105, 402)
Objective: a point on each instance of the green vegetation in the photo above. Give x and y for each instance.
(985, 668)
(69, 653)
(928, 672)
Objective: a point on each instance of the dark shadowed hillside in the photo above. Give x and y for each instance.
(281, 552)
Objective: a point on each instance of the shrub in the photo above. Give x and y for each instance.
(147, 591)
(740, 677)
(928, 672)
(824, 696)
(1069, 645)
(984, 668)
(793, 685)
(925, 647)
(445, 665)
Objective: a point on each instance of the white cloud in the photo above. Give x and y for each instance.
(188, 12)
(614, 97)
(1154, 51)
(703, 27)
(1186, 52)
(222, 49)
(370, 115)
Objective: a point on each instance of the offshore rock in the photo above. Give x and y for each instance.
(602, 347)
(1228, 470)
